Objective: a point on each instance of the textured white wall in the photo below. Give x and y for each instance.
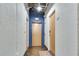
(65, 29)
(78, 27)
(14, 29)
(22, 31)
(47, 38)
(27, 28)
(7, 29)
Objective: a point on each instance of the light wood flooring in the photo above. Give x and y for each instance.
(37, 51)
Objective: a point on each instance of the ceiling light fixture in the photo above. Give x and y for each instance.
(36, 19)
(39, 8)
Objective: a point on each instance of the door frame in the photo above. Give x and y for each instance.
(30, 32)
(53, 12)
(41, 29)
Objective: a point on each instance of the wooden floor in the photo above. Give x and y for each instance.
(36, 51)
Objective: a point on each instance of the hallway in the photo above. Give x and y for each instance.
(39, 29)
(37, 51)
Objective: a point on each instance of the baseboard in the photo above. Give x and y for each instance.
(25, 54)
(51, 53)
(46, 47)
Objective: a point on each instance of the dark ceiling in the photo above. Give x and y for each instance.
(33, 5)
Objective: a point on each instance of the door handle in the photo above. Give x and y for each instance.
(49, 31)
